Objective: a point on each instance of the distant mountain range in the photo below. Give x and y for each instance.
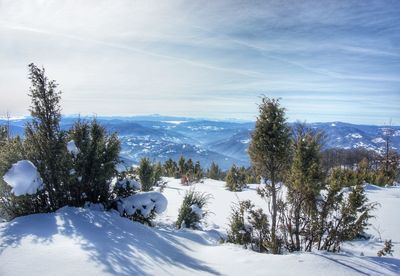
(224, 142)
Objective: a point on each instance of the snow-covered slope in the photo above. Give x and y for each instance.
(76, 241)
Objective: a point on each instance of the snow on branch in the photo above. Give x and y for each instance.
(24, 178)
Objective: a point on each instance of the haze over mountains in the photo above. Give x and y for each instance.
(224, 142)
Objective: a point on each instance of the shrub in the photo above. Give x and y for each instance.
(149, 174)
(236, 179)
(387, 249)
(94, 155)
(192, 209)
(249, 226)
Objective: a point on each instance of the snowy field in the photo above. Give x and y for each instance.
(76, 241)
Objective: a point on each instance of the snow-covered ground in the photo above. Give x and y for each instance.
(77, 241)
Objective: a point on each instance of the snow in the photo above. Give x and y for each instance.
(78, 241)
(197, 211)
(378, 140)
(354, 135)
(129, 182)
(72, 148)
(144, 202)
(174, 122)
(24, 178)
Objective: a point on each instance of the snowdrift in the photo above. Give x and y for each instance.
(78, 241)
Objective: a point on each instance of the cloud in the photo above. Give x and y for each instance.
(206, 59)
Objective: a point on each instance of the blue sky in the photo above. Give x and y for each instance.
(327, 60)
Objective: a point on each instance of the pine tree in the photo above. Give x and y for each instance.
(387, 249)
(45, 141)
(171, 168)
(214, 172)
(182, 166)
(94, 165)
(304, 183)
(146, 174)
(236, 178)
(198, 171)
(269, 154)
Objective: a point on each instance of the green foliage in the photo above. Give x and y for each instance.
(304, 183)
(182, 168)
(12, 206)
(146, 172)
(343, 216)
(249, 226)
(94, 166)
(187, 216)
(269, 152)
(198, 173)
(171, 168)
(68, 178)
(149, 174)
(270, 145)
(214, 172)
(45, 142)
(236, 178)
(387, 249)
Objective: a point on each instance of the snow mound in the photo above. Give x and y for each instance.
(144, 202)
(24, 178)
(72, 148)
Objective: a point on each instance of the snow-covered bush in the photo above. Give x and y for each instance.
(24, 178)
(126, 186)
(142, 207)
(21, 195)
(249, 226)
(192, 210)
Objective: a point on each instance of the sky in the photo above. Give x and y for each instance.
(327, 60)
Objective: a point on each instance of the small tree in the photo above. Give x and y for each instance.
(249, 226)
(94, 159)
(387, 249)
(269, 153)
(192, 209)
(198, 172)
(214, 172)
(304, 183)
(182, 166)
(171, 168)
(236, 178)
(146, 172)
(45, 141)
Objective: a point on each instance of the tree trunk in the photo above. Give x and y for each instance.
(274, 240)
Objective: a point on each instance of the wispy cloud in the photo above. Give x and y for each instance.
(209, 58)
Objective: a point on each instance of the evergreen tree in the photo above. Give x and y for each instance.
(45, 142)
(236, 178)
(214, 172)
(304, 184)
(158, 173)
(171, 168)
(269, 154)
(94, 162)
(198, 171)
(146, 172)
(182, 166)
(387, 249)
(192, 210)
